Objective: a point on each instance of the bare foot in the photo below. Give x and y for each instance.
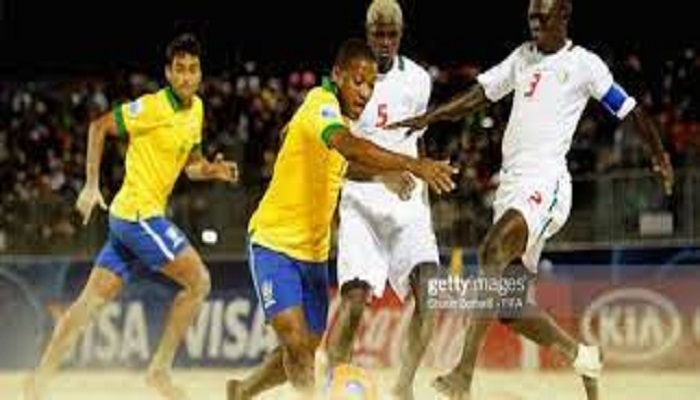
(234, 390)
(161, 382)
(452, 386)
(33, 388)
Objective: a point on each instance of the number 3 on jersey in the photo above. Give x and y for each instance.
(382, 115)
(533, 84)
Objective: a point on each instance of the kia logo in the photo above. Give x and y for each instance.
(632, 325)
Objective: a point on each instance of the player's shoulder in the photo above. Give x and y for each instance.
(325, 93)
(148, 105)
(524, 51)
(581, 51)
(321, 101)
(588, 61)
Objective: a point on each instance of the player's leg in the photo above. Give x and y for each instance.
(188, 270)
(420, 330)
(162, 247)
(505, 241)
(536, 324)
(353, 298)
(362, 269)
(277, 285)
(104, 284)
(295, 301)
(270, 374)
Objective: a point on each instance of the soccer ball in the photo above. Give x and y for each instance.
(350, 382)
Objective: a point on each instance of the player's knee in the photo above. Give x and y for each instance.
(296, 343)
(204, 286)
(200, 287)
(355, 292)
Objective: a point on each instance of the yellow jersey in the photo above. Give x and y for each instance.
(295, 214)
(161, 135)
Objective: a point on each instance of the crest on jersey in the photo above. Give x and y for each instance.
(135, 108)
(175, 238)
(562, 76)
(267, 293)
(329, 112)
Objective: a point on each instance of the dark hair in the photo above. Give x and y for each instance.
(353, 49)
(567, 7)
(185, 43)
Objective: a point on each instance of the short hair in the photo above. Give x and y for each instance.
(185, 43)
(385, 10)
(353, 49)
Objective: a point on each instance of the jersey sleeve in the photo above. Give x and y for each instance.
(601, 85)
(137, 116)
(324, 117)
(499, 80)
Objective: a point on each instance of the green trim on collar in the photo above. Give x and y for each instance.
(329, 85)
(173, 99)
(402, 65)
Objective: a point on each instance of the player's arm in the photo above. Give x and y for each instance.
(90, 195)
(613, 97)
(373, 158)
(493, 85)
(473, 99)
(198, 168)
(401, 183)
(660, 159)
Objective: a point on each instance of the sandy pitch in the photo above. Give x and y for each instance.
(205, 384)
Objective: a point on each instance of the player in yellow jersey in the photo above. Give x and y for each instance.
(290, 230)
(164, 130)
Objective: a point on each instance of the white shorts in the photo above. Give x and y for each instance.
(376, 248)
(545, 204)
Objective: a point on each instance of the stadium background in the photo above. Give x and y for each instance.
(623, 272)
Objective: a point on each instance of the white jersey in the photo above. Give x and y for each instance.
(550, 94)
(382, 238)
(402, 92)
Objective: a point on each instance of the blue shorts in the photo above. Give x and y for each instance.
(282, 282)
(151, 242)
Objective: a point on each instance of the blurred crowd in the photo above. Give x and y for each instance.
(43, 126)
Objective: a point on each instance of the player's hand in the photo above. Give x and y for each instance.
(661, 164)
(413, 124)
(437, 174)
(87, 199)
(400, 182)
(225, 170)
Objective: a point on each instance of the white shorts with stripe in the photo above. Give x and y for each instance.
(544, 202)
